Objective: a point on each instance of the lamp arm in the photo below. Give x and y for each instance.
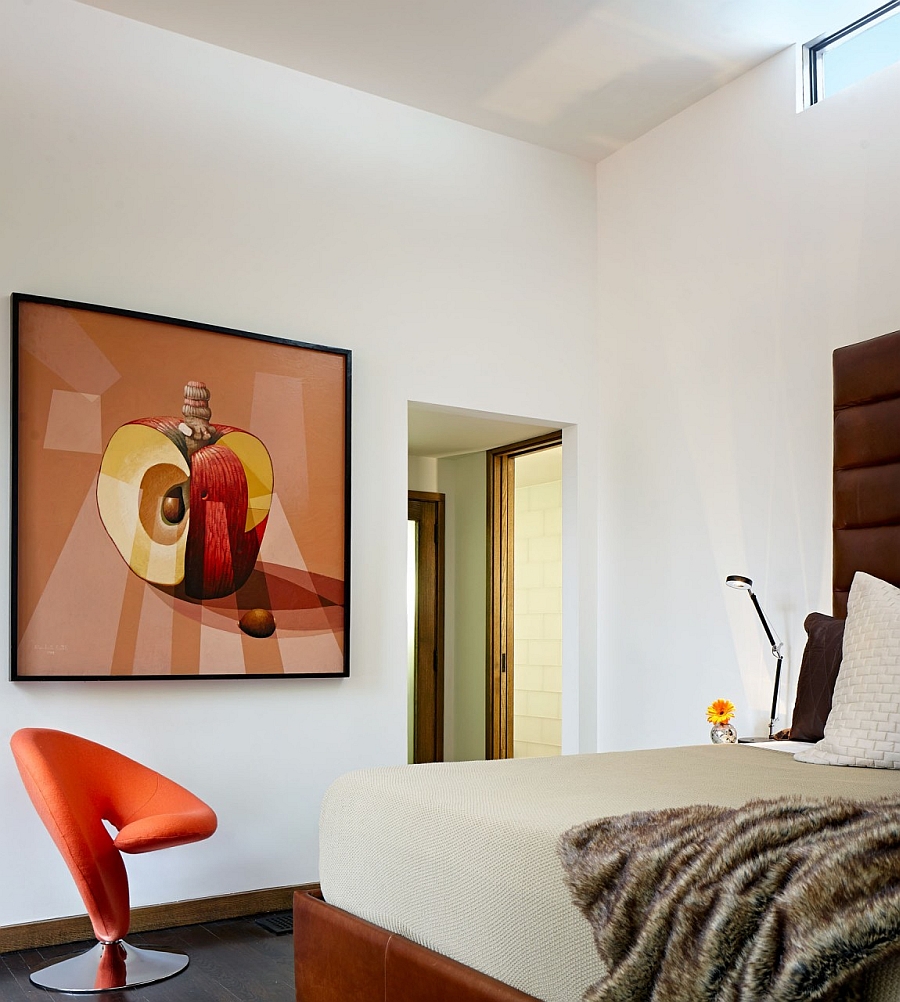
(772, 638)
(776, 652)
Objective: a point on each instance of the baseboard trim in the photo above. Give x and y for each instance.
(74, 928)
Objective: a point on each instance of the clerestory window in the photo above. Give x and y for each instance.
(833, 62)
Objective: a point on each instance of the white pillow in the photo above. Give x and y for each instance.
(863, 727)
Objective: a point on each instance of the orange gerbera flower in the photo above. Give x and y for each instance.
(720, 711)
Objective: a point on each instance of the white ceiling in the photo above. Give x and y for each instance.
(449, 431)
(581, 76)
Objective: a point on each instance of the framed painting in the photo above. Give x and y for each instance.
(180, 499)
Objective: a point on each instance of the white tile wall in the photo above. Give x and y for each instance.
(537, 727)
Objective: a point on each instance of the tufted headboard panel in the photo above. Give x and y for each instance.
(866, 463)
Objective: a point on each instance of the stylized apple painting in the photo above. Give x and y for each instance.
(185, 500)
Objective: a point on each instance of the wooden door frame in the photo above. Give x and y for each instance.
(426, 509)
(501, 490)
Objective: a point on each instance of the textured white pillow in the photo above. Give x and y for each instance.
(863, 727)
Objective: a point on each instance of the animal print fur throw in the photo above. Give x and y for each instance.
(786, 900)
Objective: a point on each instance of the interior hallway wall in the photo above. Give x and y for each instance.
(740, 243)
(463, 479)
(422, 474)
(152, 172)
(537, 620)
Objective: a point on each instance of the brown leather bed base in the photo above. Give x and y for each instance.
(341, 958)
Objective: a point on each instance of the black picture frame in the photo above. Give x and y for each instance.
(148, 544)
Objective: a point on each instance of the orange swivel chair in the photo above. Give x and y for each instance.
(76, 785)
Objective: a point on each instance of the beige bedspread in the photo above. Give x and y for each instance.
(461, 857)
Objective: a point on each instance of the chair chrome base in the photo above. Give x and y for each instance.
(107, 967)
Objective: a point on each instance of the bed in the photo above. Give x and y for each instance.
(444, 881)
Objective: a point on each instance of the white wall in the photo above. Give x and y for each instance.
(463, 481)
(422, 473)
(537, 647)
(152, 172)
(740, 243)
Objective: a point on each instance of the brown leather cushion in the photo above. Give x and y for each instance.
(866, 463)
(818, 672)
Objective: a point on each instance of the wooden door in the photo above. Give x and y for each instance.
(501, 491)
(426, 510)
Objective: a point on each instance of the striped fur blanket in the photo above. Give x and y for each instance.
(786, 900)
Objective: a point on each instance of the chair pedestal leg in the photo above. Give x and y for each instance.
(107, 967)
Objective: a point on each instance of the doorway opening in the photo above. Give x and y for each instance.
(425, 616)
(524, 692)
(448, 457)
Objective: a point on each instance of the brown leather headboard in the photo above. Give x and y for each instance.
(866, 463)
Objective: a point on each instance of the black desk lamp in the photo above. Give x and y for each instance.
(745, 584)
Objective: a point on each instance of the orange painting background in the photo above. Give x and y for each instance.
(81, 610)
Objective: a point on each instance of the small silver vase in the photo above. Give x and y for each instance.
(723, 734)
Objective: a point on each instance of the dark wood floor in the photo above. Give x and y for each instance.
(231, 961)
